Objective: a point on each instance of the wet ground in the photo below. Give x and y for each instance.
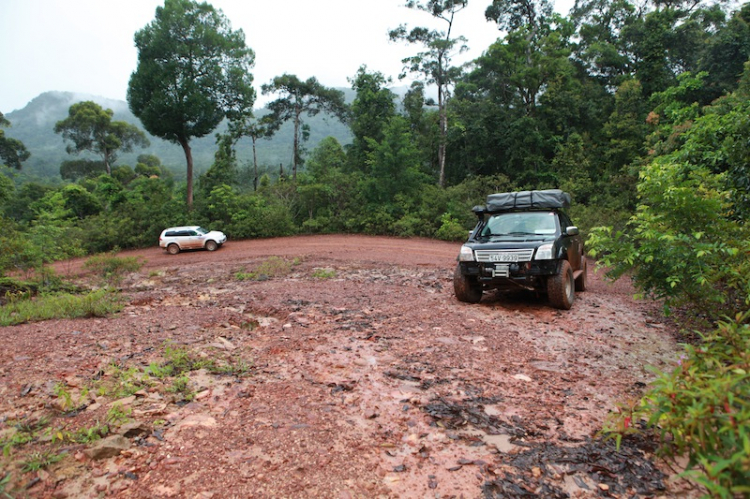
(331, 366)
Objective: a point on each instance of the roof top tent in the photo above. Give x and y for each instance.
(524, 200)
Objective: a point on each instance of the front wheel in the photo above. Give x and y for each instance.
(467, 289)
(560, 287)
(211, 245)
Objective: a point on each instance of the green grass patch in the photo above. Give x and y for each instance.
(268, 269)
(101, 303)
(112, 269)
(40, 460)
(323, 274)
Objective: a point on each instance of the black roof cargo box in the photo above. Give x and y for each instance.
(524, 200)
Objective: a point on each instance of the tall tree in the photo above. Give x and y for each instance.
(89, 127)
(12, 151)
(193, 70)
(434, 64)
(372, 108)
(297, 97)
(249, 126)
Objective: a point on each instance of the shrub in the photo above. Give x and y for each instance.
(451, 229)
(681, 245)
(111, 269)
(702, 409)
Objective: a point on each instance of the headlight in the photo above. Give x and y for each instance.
(466, 254)
(544, 252)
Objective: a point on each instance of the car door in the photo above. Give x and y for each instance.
(191, 240)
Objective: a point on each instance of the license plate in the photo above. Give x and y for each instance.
(505, 257)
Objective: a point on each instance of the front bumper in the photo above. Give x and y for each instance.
(493, 274)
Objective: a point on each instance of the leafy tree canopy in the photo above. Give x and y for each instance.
(297, 97)
(193, 70)
(90, 128)
(12, 151)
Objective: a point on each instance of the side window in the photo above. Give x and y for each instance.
(565, 221)
(183, 233)
(171, 233)
(192, 233)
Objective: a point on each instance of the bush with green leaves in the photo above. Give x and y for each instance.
(702, 409)
(681, 245)
(111, 269)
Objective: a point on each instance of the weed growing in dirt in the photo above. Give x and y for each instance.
(40, 460)
(272, 267)
(26, 431)
(324, 274)
(119, 383)
(99, 303)
(119, 415)
(80, 436)
(4, 483)
(112, 269)
(181, 385)
(65, 399)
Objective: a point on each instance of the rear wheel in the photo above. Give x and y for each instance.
(173, 249)
(211, 245)
(560, 287)
(582, 278)
(467, 289)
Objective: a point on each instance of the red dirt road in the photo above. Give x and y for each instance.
(365, 378)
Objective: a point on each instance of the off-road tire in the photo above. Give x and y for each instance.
(211, 245)
(582, 279)
(173, 249)
(467, 289)
(561, 287)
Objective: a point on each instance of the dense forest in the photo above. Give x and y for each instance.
(640, 110)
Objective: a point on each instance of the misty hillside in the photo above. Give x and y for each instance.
(34, 126)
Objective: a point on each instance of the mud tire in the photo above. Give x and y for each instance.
(173, 249)
(582, 279)
(211, 245)
(561, 287)
(467, 289)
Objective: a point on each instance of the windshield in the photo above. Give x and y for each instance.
(540, 223)
(201, 230)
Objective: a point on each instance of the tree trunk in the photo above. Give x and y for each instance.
(106, 163)
(443, 135)
(255, 165)
(189, 158)
(297, 114)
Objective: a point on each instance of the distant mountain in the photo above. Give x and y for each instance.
(34, 126)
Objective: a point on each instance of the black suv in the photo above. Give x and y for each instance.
(523, 240)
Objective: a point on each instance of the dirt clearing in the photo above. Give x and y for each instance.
(329, 366)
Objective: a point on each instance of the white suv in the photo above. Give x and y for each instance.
(176, 239)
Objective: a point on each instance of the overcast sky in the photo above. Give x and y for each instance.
(87, 46)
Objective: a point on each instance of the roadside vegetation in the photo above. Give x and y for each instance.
(648, 133)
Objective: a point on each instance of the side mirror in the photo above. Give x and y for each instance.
(571, 231)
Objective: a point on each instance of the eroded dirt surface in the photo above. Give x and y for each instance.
(363, 377)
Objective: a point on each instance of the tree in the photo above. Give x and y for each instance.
(434, 63)
(248, 126)
(12, 151)
(372, 108)
(90, 128)
(301, 97)
(193, 71)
